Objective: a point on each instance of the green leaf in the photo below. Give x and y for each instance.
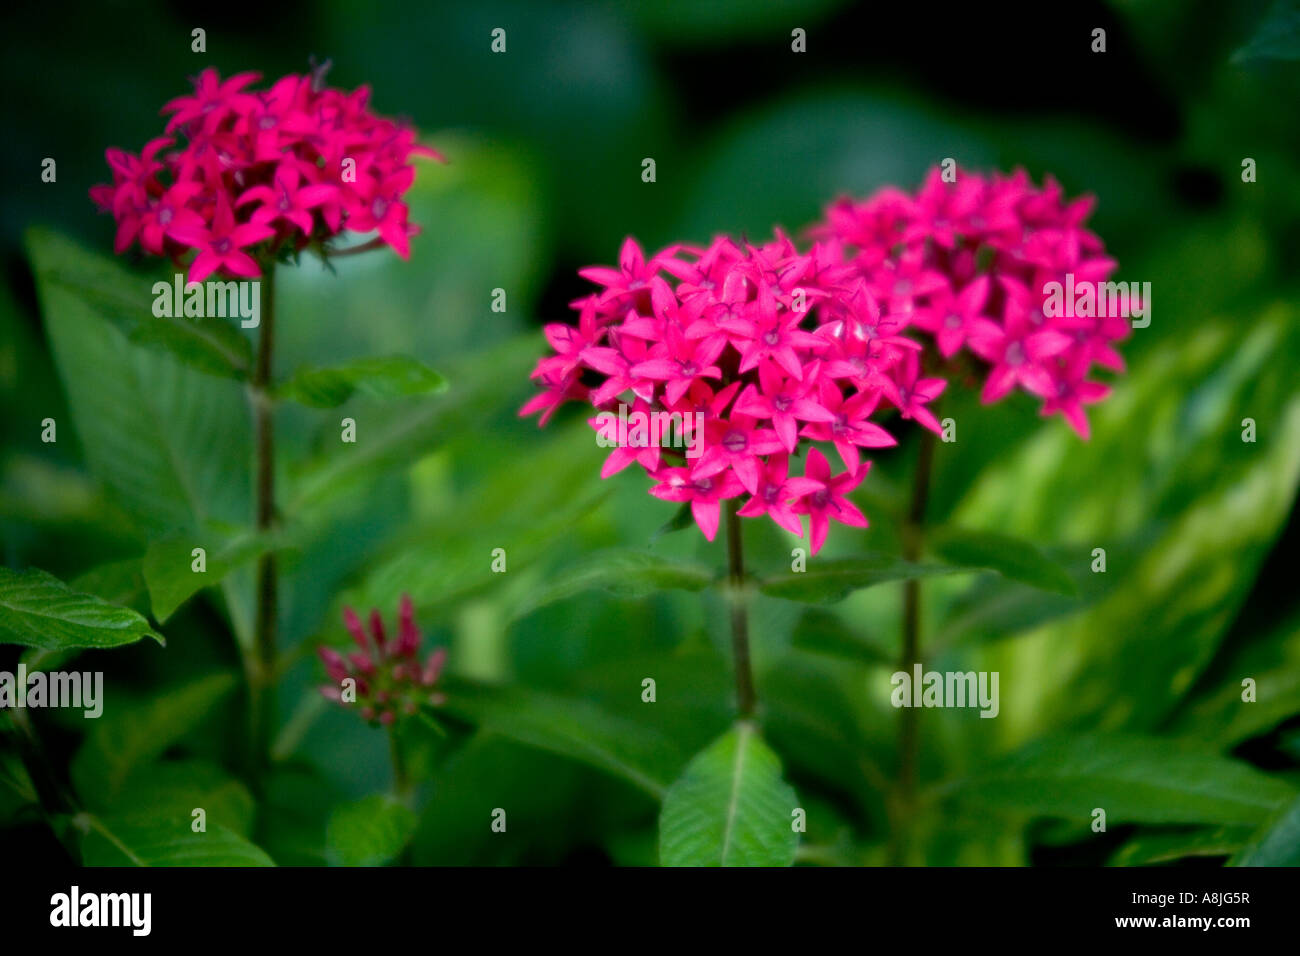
(1010, 557)
(1278, 35)
(211, 345)
(1221, 717)
(394, 377)
(39, 610)
(170, 444)
(681, 520)
(121, 582)
(826, 582)
(823, 632)
(172, 790)
(1166, 466)
(1134, 779)
(575, 729)
(134, 732)
(132, 841)
(443, 561)
(730, 807)
(391, 437)
(619, 571)
(371, 831)
(1150, 848)
(1277, 843)
(169, 566)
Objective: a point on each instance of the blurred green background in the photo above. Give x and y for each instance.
(545, 144)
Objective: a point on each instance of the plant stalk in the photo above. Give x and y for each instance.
(261, 668)
(746, 698)
(401, 772)
(909, 717)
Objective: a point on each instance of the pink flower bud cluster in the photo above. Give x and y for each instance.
(241, 174)
(761, 350)
(969, 264)
(390, 680)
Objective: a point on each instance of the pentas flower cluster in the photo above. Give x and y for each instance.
(389, 678)
(761, 350)
(969, 263)
(242, 173)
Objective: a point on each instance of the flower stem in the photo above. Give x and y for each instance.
(401, 773)
(261, 667)
(908, 722)
(746, 698)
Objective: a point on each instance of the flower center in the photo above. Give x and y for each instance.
(164, 216)
(821, 498)
(735, 441)
(221, 246)
(771, 337)
(782, 403)
(953, 321)
(379, 207)
(1015, 354)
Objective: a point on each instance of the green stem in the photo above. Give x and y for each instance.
(401, 772)
(261, 665)
(746, 698)
(908, 721)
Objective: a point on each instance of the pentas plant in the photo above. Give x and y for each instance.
(240, 174)
(767, 354)
(242, 179)
(388, 680)
(968, 265)
(974, 267)
(759, 352)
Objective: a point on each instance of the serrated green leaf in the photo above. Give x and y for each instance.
(392, 377)
(826, 582)
(1134, 779)
(39, 610)
(369, 832)
(730, 807)
(1010, 557)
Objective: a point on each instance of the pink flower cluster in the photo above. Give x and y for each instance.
(390, 681)
(758, 348)
(968, 263)
(241, 174)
